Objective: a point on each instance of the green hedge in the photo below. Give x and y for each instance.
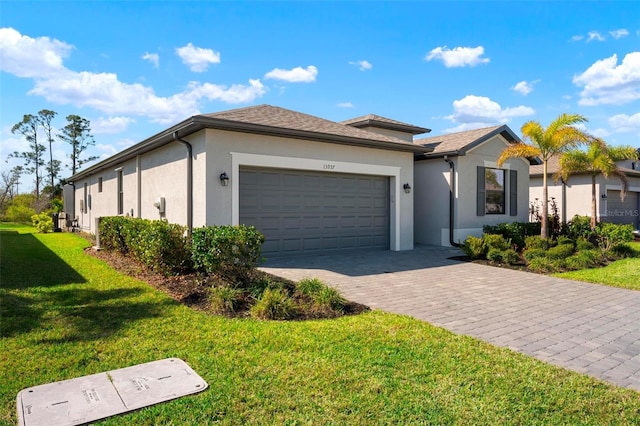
(233, 252)
(159, 245)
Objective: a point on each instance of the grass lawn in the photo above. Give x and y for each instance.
(65, 314)
(622, 273)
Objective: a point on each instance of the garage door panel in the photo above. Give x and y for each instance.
(315, 212)
(623, 212)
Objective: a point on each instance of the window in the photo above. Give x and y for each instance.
(492, 194)
(494, 191)
(120, 193)
(84, 206)
(99, 184)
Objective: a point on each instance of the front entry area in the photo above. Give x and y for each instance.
(308, 212)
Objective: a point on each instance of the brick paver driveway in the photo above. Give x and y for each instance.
(584, 327)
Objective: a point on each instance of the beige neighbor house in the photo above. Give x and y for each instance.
(310, 185)
(459, 188)
(573, 197)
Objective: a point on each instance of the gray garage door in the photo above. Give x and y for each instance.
(313, 212)
(622, 211)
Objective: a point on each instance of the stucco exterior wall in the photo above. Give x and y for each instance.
(578, 194)
(432, 199)
(228, 151)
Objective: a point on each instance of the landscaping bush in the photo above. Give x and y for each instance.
(537, 242)
(474, 247)
(578, 227)
(328, 301)
(224, 299)
(542, 264)
(112, 234)
(583, 259)
(610, 235)
(309, 286)
(532, 253)
(275, 304)
(560, 251)
(621, 251)
(232, 252)
(508, 256)
(42, 222)
(514, 231)
(496, 241)
(584, 244)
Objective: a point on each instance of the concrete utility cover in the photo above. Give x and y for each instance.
(90, 398)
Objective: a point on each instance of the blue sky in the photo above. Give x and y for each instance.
(135, 68)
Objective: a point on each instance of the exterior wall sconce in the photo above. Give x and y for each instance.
(224, 179)
(407, 188)
(603, 196)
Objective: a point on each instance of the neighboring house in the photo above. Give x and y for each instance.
(459, 188)
(573, 197)
(310, 185)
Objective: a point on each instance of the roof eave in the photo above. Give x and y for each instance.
(414, 130)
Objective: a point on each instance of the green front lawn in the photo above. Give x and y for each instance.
(65, 314)
(623, 273)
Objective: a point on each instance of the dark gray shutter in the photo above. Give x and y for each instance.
(513, 192)
(481, 202)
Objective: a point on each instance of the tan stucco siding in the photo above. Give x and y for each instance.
(227, 151)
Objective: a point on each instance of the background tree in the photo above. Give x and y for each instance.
(45, 117)
(599, 158)
(77, 133)
(558, 137)
(34, 157)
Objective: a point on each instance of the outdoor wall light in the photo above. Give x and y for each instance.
(224, 179)
(407, 188)
(603, 196)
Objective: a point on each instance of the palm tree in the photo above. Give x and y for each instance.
(599, 158)
(558, 137)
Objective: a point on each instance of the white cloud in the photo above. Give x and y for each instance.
(459, 56)
(625, 123)
(110, 125)
(600, 133)
(104, 91)
(362, 65)
(479, 111)
(345, 105)
(295, 75)
(606, 82)
(577, 37)
(619, 33)
(28, 57)
(594, 35)
(154, 58)
(524, 87)
(197, 58)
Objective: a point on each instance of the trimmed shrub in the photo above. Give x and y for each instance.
(584, 244)
(583, 260)
(496, 241)
(328, 299)
(621, 251)
(224, 299)
(42, 222)
(275, 304)
(560, 251)
(474, 247)
(536, 242)
(508, 256)
(532, 253)
(232, 252)
(578, 227)
(514, 231)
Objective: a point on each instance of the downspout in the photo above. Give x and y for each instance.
(452, 188)
(189, 181)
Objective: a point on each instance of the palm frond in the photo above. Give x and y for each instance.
(518, 150)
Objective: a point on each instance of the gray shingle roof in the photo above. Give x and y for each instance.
(459, 143)
(384, 122)
(281, 118)
(553, 166)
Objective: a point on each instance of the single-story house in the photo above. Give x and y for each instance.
(573, 197)
(459, 188)
(312, 186)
